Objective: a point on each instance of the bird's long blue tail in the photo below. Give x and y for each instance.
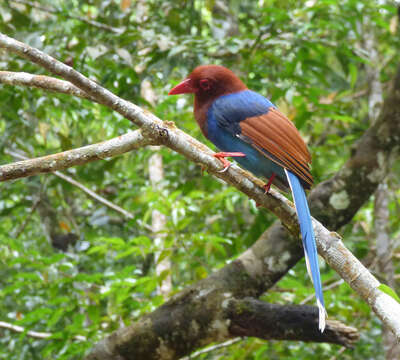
(310, 248)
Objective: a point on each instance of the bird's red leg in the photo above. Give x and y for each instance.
(267, 186)
(269, 183)
(222, 155)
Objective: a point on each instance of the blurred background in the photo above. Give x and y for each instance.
(71, 265)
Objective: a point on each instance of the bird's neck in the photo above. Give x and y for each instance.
(202, 103)
(201, 107)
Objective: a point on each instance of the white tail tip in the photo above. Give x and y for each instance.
(322, 316)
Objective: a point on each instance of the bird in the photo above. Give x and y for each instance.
(247, 126)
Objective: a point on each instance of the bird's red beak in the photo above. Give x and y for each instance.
(185, 87)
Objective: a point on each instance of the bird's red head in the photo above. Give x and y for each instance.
(209, 81)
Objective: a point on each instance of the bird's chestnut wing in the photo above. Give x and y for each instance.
(276, 137)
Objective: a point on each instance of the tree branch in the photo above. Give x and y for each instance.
(42, 82)
(251, 317)
(216, 321)
(50, 163)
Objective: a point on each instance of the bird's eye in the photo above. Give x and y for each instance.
(205, 84)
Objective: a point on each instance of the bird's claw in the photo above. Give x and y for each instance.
(226, 167)
(267, 186)
(222, 155)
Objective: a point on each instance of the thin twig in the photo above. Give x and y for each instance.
(329, 287)
(52, 10)
(212, 348)
(95, 196)
(339, 352)
(143, 224)
(21, 228)
(91, 193)
(34, 334)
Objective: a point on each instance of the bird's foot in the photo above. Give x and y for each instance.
(222, 155)
(267, 186)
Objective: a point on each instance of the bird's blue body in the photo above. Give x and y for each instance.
(223, 128)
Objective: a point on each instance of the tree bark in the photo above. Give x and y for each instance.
(194, 319)
(250, 317)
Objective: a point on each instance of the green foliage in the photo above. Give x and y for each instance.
(306, 56)
(388, 290)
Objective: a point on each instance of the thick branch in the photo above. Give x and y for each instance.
(251, 317)
(218, 317)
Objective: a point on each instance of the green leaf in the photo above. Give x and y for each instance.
(345, 118)
(388, 290)
(353, 74)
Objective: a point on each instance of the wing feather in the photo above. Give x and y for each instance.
(276, 137)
